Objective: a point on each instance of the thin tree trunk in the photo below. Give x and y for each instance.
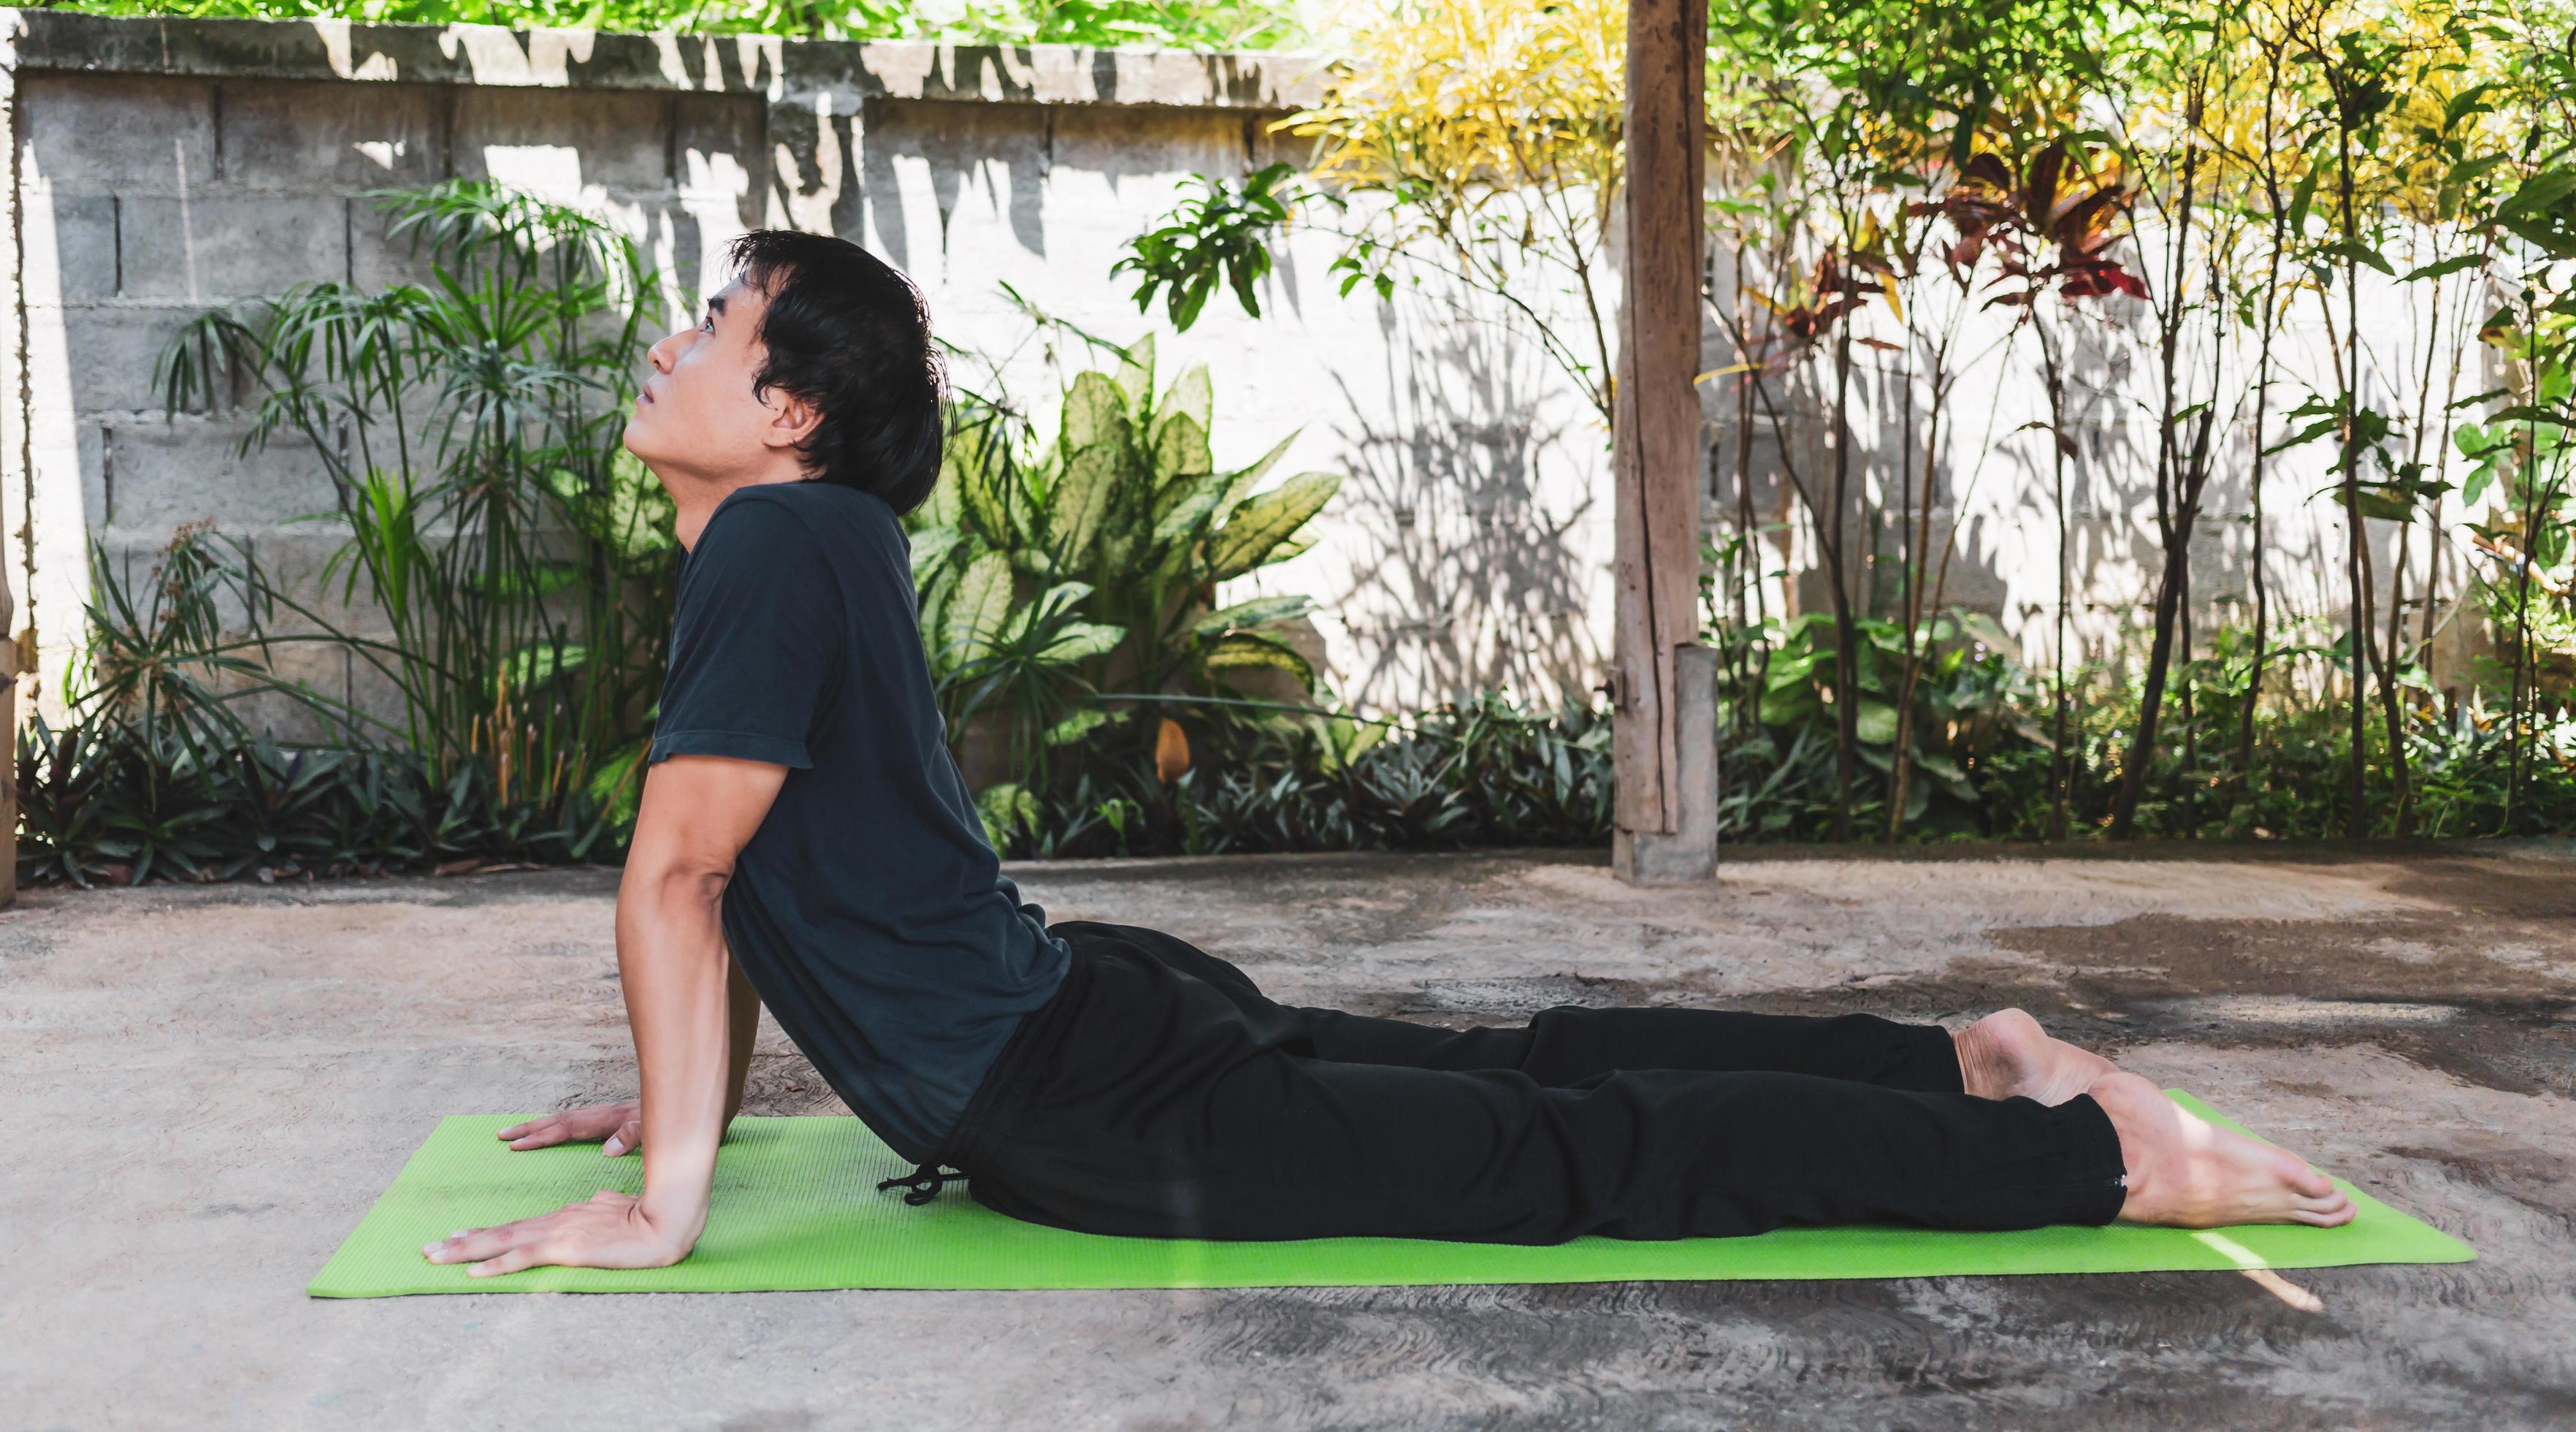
(1846, 634)
(2058, 772)
(2357, 539)
(2174, 515)
(2262, 419)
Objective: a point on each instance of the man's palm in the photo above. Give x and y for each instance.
(619, 1126)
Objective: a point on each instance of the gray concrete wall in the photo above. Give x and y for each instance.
(167, 166)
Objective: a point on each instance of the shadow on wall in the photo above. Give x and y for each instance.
(1467, 563)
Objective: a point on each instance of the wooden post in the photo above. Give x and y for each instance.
(1666, 822)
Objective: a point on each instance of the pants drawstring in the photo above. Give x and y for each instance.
(924, 1182)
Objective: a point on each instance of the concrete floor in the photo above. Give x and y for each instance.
(201, 1090)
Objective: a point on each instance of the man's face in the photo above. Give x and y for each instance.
(696, 412)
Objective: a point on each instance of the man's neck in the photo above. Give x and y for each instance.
(697, 499)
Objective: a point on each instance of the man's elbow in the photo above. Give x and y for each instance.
(677, 882)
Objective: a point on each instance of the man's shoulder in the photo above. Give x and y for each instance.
(786, 519)
(812, 499)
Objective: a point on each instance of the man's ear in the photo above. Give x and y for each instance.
(792, 420)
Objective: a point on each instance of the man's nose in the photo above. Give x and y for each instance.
(660, 354)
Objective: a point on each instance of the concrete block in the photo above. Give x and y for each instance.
(683, 242)
(710, 130)
(113, 351)
(564, 144)
(208, 250)
(331, 671)
(378, 261)
(190, 471)
(297, 558)
(957, 188)
(812, 178)
(1155, 145)
(127, 134)
(333, 137)
(71, 245)
(1114, 173)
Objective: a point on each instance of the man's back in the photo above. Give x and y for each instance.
(869, 910)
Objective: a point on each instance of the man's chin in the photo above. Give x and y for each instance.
(638, 440)
(644, 453)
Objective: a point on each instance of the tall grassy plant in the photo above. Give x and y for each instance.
(470, 426)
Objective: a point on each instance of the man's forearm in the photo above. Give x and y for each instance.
(672, 960)
(742, 1004)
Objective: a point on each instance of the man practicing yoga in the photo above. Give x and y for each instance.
(805, 839)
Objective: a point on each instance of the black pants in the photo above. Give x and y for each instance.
(1159, 1094)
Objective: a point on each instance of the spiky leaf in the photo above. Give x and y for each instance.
(1250, 649)
(1081, 641)
(1192, 396)
(1240, 484)
(1258, 611)
(1263, 522)
(930, 547)
(979, 611)
(1180, 449)
(1076, 726)
(1083, 496)
(1136, 370)
(1095, 414)
(1190, 506)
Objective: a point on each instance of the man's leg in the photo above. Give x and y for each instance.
(2003, 1055)
(1148, 1105)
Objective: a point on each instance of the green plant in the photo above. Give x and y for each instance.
(1224, 233)
(1056, 576)
(1971, 703)
(519, 558)
(1486, 772)
(159, 777)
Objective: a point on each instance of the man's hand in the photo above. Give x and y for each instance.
(620, 1125)
(609, 1231)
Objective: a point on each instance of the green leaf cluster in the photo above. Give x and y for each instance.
(1053, 572)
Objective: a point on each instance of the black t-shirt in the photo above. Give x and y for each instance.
(868, 910)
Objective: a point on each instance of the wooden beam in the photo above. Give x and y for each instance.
(1657, 452)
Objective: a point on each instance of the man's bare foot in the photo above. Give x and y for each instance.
(2007, 1054)
(2186, 1172)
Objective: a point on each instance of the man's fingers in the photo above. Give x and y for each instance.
(482, 1243)
(476, 1243)
(624, 1141)
(510, 1260)
(531, 1126)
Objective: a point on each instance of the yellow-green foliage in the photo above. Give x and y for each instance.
(1483, 139)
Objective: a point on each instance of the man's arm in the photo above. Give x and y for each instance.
(696, 815)
(743, 1005)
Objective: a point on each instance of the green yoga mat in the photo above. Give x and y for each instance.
(796, 1207)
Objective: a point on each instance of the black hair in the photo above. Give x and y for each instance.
(849, 334)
